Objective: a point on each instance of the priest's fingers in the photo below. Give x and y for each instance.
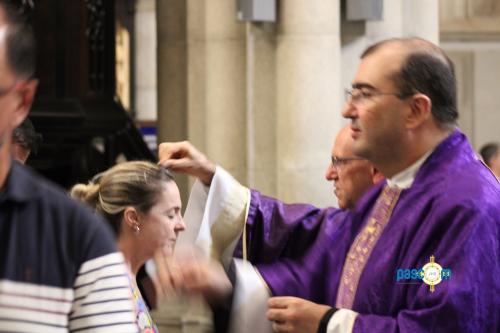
(173, 150)
(281, 327)
(184, 157)
(183, 165)
(278, 315)
(175, 273)
(160, 293)
(192, 277)
(301, 315)
(280, 302)
(177, 156)
(162, 280)
(207, 278)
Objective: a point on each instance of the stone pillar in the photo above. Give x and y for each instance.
(307, 98)
(485, 96)
(217, 83)
(421, 18)
(470, 30)
(172, 76)
(145, 61)
(261, 107)
(406, 18)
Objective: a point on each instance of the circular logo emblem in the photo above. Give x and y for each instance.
(432, 273)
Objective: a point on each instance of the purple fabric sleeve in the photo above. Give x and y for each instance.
(276, 230)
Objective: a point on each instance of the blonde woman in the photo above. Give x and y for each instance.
(141, 202)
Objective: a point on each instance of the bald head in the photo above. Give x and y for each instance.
(351, 175)
(343, 142)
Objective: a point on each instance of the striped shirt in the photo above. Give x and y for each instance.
(59, 269)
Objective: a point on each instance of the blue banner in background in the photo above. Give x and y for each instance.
(150, 137)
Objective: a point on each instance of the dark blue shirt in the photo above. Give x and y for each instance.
(59, 267)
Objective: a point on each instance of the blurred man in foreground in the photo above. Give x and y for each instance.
(59, 267)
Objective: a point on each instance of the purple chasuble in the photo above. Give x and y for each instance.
(451, 212)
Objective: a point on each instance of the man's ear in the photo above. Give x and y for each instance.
(26, 92)
(131, 218)
(376, 175)
(420, 111)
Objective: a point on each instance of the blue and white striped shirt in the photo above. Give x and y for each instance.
(59, 267)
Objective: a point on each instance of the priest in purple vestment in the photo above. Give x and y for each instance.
(421, 251)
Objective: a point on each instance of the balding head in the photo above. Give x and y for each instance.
(425, 68)
(343, 142)
(409, 45)
(351, 175)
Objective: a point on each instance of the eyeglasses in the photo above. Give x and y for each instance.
(337, 162)
(358, 96)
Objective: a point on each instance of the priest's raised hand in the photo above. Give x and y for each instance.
(185, 158)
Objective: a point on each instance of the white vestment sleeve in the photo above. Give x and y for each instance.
(248, 312)
(342, 321)
(215, 216)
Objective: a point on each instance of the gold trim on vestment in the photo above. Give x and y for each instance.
(244, 243)
(362, 247)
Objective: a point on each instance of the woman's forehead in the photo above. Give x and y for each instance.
(170, 194)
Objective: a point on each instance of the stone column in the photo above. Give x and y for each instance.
(307, 98)
(217, 83)
(172, 76)
(145, 61)
(421, 18)
(470, 30)
(405, 19)
(261, 107)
